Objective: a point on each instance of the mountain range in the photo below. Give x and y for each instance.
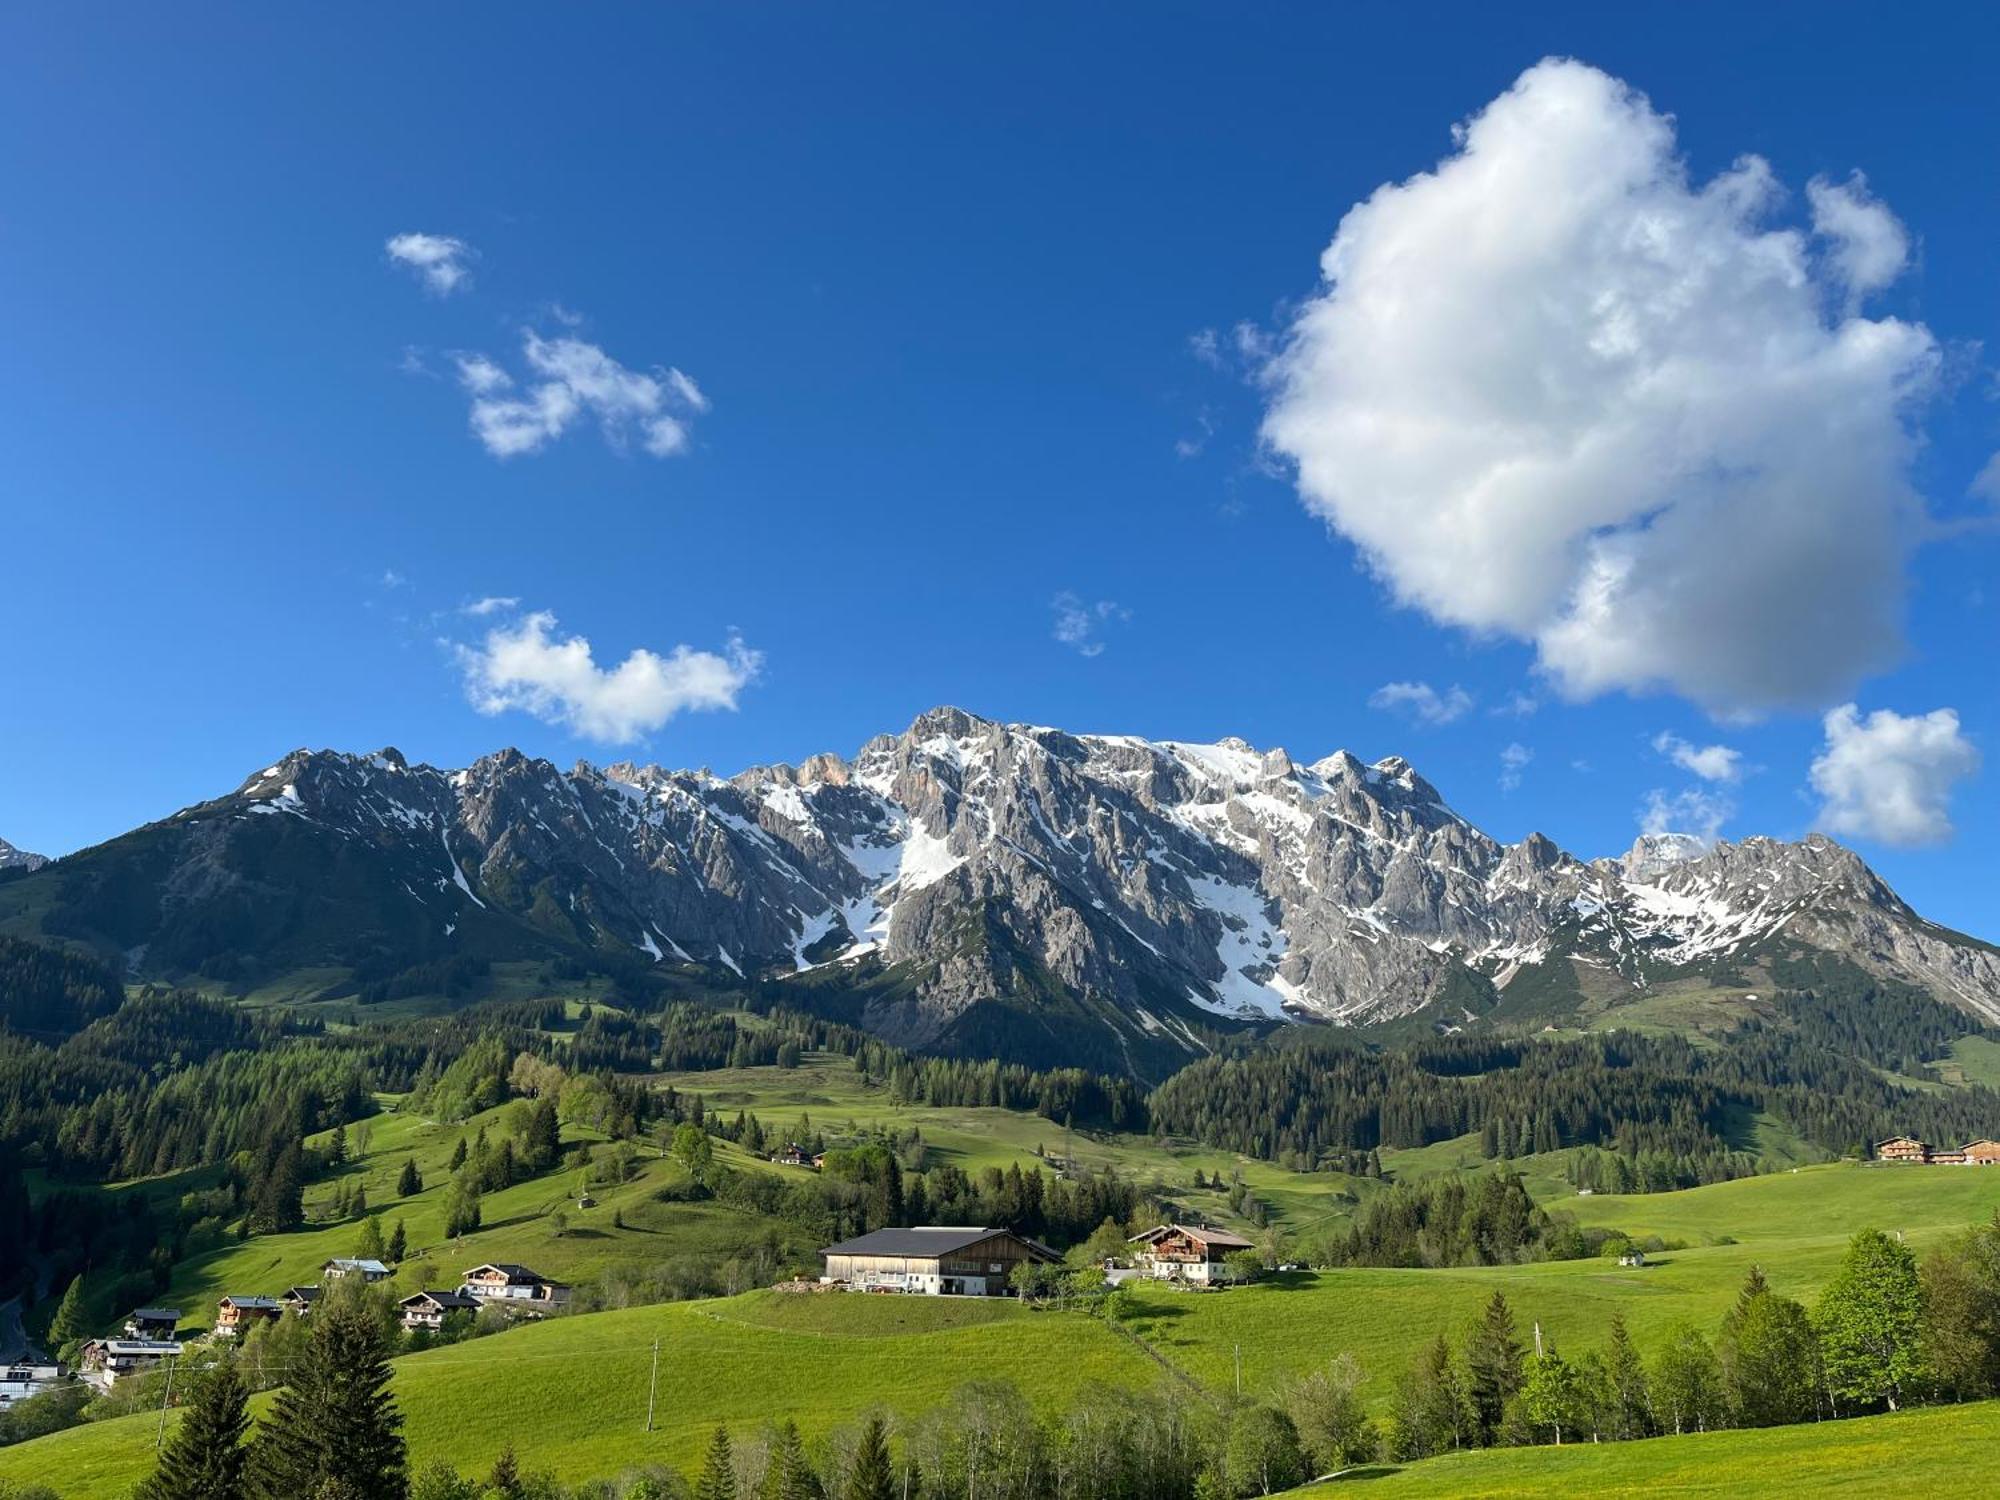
(974, 887)
(18, 859)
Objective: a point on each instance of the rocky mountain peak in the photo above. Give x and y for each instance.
(12, 858)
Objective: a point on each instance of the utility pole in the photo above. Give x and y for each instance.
(160, 1434)
(1239, 1372)
(652, 1385)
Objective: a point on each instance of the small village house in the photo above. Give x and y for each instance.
(367, 1270)
(25, 1378)
(514, 1287)
(1906, 1148)
(1982, 1153)
(1634, 1257)
(152, 1322)
(938, 1260)
(795, 1155)
(106, 1360)
(299, 1300)
(428, 1310)
(1181, 1252)
(234, 1315)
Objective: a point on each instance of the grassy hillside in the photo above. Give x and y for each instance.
(574, 1387)
(1952, 1450)
(573, 1390)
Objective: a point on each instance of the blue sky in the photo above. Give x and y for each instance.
(955, 300)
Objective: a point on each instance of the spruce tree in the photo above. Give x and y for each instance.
(337, 1420)
(1493, 1364)
(207, 1458)
(873, 1476)
(399, 1244)
(1631, 1414)
(505, 1480)
(789, 1475)
(458, 1154)
(409, 1181)
(72, 1319)
(718, 1470)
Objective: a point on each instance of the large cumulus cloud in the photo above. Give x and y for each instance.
(1555, 389)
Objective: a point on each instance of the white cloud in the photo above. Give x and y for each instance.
(1517, 705)
(1554, 389)
(574, 379)
(1080, 625)
(524, 665)
(1692, 811)
(1868, 246)
(1888, 776)
(1514, 760)
(1709, 762)
(1422, 702)
(441, 262)
(492, 604)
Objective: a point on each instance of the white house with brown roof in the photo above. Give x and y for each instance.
(428, 1310)
(1186, 1252)
(514, 1287)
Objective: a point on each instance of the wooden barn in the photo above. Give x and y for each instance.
(938, 1259)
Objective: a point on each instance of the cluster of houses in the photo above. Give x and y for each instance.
(1908, 1149)
(964, 1260)
(149, 1334)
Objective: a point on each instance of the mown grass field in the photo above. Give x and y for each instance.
(570, 1394)
(1938, 1451)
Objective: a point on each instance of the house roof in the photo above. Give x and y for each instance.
(367, 1267)
(441, 1299)
(1220, 1239)
(929, 1241)
(156, 1314)
(253, 1304)
(507, 1269)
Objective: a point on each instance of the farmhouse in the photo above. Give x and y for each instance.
(1179, 1252)
(299, 1300)
(1633, 1257)
(234, 1315)
(1902, 1148)
(1982, 1153)
(795, 1155)
(367, 1270)
(429, 1309)
(515, 1288)
(26, 1378)
(951, 1260)
(152, 1323)
(105, 1360)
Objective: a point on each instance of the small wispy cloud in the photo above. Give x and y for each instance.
(1709, 762)
(1514, 760)
(1692, 811)
(441, 262)
(1422, 703)
(1516, 705)
(492, 604)
(1080, 624)
(571, 379)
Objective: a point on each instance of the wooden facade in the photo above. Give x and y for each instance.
(428, 1310)
(234, 1315)
(1180, 1252)
(515, 1288)
(1907, 1148)
(934, 1260)
(1902, 1148)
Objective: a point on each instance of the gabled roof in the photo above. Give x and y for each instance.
(156, 1315)
(366, 1267)
(252, 1304)
(301, 1294)
(930, 1241)
(441, 1299)
(1219, 1239)
(508, 1269)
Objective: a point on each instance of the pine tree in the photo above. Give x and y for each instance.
(1630, 1408)
(207, 1458)
(399, 1244)
(873, 1476)
(718, 1470)
(72, 1319)
(409, 1181)
(789, 1475)
(543, 1146)
(1493, 1364)
(337, 1420)
(505, 1480)
(336, 1149)
(458, 1155)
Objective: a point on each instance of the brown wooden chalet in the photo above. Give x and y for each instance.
(950, 1260)
(515, 1288)
(795, 1155)
(1183, 1252)
(429, 1309)
(1982, 1153)
(1902, 1148)
(234, 1315)
(1907, 1148)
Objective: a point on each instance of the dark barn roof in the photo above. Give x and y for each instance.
(930, 1241)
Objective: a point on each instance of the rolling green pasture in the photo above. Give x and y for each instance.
(574, 1389)
(1942, 1451)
